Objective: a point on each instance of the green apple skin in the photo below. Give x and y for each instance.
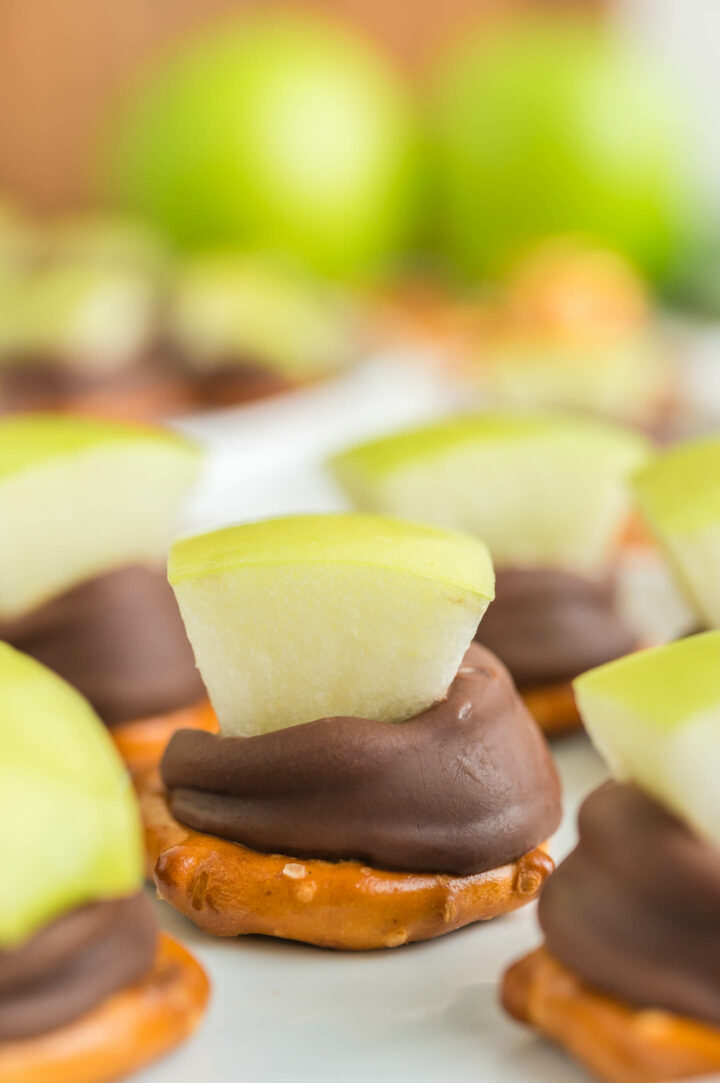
(72, 828)
(541, 489)
(678, 493)
(655, 717)
(282, 133)
(551, 126)
(79, 497)
(317, 616)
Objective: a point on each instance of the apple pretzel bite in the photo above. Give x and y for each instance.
(123, 1033)
(618, 1042)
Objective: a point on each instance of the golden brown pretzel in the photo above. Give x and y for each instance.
(619, 1043)
(229, 890)
(123, 1033)
(553, 707)
(142, 742)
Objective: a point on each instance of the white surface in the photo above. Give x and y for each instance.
(426, 1013)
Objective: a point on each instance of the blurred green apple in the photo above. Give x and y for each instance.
(281, 132)
(553, 125)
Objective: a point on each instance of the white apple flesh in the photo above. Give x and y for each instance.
(319, 616)
(71, 828)
(679, 495)
(81, 497)
(655, 717)
(540, 489)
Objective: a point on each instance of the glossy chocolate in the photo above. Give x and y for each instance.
(635, 909)
(119, 639)
(73, 964)
(466, 786)
(549, 625)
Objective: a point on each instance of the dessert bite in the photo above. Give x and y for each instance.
(88, 511)
(89, 988)
(549, 495)
(81, 327)
(627, 979)
(574, 329)
(245, 326)
(678, 494)
(376, 779)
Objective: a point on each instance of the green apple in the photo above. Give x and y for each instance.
(679, 495)
(95, 317)
(80, 497)
(655, 717)
(540, 489)
(229, 307)
(553, 125)
(282, 132)
(315, 616)
(71, 829)
(625, 380)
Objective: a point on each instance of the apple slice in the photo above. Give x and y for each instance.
(71, 829)
(230, 308)
(541, 489)
(625, 379)
(315, 616)
(679, 495)
(81, 497)
(95, 317)
(655, 717)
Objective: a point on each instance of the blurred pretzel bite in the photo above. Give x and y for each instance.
(617, 1042)
(229, 890)
(142, 741)
(123, 1033)
(553, 708)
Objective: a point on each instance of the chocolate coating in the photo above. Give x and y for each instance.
(549, 625)
(73, 964)
(146, 386)
(635, 909)
(119, 639)
(464, 787)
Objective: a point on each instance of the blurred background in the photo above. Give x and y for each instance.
(219, 203)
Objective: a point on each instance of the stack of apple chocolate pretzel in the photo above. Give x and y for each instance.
(368, 774)
(89, 988)
(97, 318)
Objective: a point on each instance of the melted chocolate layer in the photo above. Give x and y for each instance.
(119, 639)
(73, 964)
(549, 625)
(465, 787)
(635, 909)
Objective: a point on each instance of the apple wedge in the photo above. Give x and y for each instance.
(655, 717)
(248, 309)
(71, 830)
(317, 616)
(97, 318)
(679, 495)
(540, 489)
(81, 497)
